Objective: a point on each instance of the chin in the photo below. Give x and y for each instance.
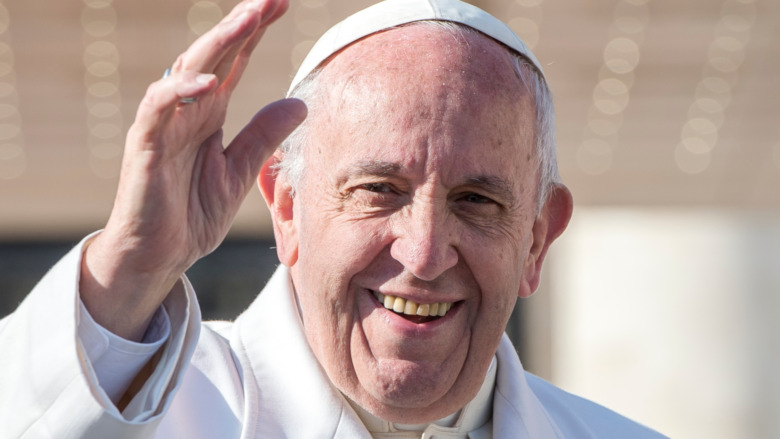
(414, 401)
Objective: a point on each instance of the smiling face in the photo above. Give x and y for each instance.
(418, 196)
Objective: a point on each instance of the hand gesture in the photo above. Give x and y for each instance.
(179, 187)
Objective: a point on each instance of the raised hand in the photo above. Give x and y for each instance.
(179, 188)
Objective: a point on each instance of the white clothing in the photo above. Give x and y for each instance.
(254, 378)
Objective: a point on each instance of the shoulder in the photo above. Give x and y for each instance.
(574, 415)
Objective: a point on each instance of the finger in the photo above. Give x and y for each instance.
(226, 39)
(280, 7)
(162, 98)
(233, 69)
(258, 140)
(233, 64)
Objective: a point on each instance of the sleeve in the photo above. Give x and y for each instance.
(50, 387)
(117, 361)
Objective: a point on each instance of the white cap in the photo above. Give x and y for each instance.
(391, 13)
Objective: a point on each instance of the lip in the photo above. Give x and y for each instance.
(406, 327)
(418, 296)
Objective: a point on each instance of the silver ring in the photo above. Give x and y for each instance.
(166, 74)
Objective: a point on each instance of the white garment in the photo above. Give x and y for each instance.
(254, 378)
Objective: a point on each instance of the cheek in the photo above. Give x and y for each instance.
(496, 260)
(333, 251)
(497, 266)
(497, 302)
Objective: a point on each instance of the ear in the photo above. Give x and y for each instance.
(548, 226)
(277, 193)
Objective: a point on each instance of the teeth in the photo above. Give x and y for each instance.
(411, 308)
(408, 307)
(399, 305)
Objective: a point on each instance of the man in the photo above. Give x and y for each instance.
(413, 205)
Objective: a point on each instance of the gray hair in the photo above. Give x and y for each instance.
(292, 164)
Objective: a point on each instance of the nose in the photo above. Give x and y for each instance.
(425, 242)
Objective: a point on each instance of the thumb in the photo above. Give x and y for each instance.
(259, 138)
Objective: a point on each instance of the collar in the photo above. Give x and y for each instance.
(282, 380)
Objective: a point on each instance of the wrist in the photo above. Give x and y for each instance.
(120, 294)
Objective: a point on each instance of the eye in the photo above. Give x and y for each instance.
(375, 197)
(476, 198)
(477, 207)
(380, 188)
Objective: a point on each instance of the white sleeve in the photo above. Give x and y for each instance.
(50, 388)
(117, 361)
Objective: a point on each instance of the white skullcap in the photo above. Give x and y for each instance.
(391, 13)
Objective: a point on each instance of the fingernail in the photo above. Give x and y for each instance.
(204, 78)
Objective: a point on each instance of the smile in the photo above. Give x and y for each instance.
(410, 308)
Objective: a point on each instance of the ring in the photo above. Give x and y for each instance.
(166, 74)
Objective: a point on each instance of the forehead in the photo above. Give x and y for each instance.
(424, 88)
(424, 55)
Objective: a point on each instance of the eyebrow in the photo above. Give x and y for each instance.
(369, 168)
(376, 167)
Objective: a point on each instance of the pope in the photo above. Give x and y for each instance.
(413, 200)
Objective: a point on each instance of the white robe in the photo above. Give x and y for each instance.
(254, 378)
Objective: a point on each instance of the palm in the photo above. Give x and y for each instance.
(179, 187)
(189, 194)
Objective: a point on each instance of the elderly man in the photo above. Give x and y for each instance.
(411, 207)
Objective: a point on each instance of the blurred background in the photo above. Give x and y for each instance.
(660, 301)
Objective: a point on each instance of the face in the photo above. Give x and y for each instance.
(418, 196)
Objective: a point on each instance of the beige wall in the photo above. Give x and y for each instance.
(672, 317)
(659, 103)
